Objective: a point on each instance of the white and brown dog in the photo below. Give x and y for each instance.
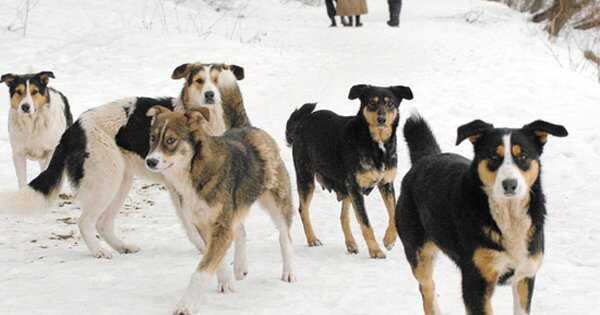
(38, 117)
(106, 147)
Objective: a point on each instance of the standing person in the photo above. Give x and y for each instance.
(352, 8)
(395, 7)
(331, 13)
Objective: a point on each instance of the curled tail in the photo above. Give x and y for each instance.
(295, 119)
(419, 138)
(42, 192)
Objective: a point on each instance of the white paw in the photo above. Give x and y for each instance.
(288, 276)
(183, 309)
(193, 297)
(225, 283)
(240, 272)
(129, 249)
(102, 253)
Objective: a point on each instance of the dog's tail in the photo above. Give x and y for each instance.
(42, 192)
(296, 119)
(419, 138)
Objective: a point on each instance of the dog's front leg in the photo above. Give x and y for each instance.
(220, 240)
(522, 294)
(20, 162)
(185, 218)
(477, 288)
(389, 199)
(360, 211)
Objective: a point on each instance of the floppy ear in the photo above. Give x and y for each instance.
(402, 92)
(181, 71)
(541, 129)
(237, 71)
(155, 111)
(45, 76)
(8, 78)
(197, 116)
(357, 91)
(473, 130)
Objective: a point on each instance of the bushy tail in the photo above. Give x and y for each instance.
(295, 119)
(42, 192)
(419, 138)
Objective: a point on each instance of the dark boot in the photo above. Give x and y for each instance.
(333, 23)
(358, 23)
(395, 7)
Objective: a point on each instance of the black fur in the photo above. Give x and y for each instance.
(296, 119)
(67, 108)
(442, 200)
(70, 154)
(135, 135)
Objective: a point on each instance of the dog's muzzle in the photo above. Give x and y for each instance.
(151, 163)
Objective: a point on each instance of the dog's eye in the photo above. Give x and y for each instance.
(152, 138)
(495, 158)
(200, 81)
(522, 157)
(34, 92)
(19, 93)
(171, 141)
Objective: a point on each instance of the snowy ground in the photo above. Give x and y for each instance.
(495, 67)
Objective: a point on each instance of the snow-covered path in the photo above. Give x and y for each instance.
(497, 68)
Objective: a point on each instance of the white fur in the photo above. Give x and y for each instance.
(509, 170)
(33, 136)
(194, 294)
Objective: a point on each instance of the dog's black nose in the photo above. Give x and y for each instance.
(25, 108)
(209, 94)
(381, 120)
(151, 163)
(510, 186)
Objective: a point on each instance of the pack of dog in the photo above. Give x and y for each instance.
(114, 139)
(37, 118)
(486, 214)
(349, 155)
(217, 179)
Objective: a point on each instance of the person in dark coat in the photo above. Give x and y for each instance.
(395, 7)
(331, 13)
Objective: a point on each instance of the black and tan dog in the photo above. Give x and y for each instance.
(217, 179)
(487, 214)
(349, 155)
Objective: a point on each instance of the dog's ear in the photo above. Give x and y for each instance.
(182, 71)
(156, 110)
(238, 72)
(196, 117)
(8, 78)
(473, 130)
(541, 129)
(402, 92)
(357, 91)
(45, 76)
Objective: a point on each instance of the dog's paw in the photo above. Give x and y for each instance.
(376, 253)
(314, 242)
(129, 249)
(389, 240)
(240, 273)
(102, 253)
(226, 285)
(352, 248)
(183, 310)
(288, 276)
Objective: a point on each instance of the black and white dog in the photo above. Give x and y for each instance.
(105, 148)
(486, 214)
(37, 119)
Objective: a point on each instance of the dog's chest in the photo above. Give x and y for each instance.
(514, 222)
(372, 171)
(190, 201)
(35, 137)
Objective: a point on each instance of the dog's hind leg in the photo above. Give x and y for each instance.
(278, 205)
(389, 199)
(93, 205)
(105, 225)
(306, 187)
(240, 260)
(222, 235)
(345, 220)
(360, 211)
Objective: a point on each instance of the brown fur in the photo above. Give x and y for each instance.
(423, 272)
(531, 175)
(380, 134)
(488, 178)
(39, 100)
(345, 221)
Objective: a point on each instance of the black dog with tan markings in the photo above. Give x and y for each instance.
(487, 214)
(349, 155)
